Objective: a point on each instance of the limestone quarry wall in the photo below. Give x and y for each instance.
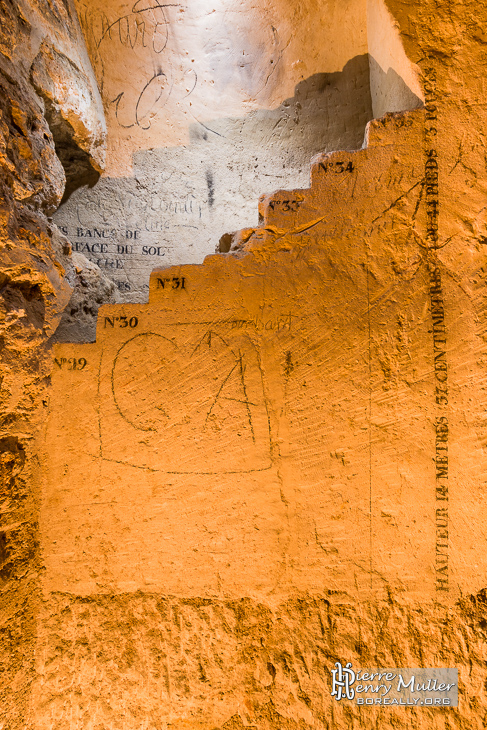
(278, 461)
(209, 107)
(289, 431)
(49, 103)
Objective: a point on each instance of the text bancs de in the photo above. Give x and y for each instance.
(92, 244)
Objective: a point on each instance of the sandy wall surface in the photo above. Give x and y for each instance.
(298, 422)
(277, 462)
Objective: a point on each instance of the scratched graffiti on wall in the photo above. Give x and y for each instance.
(206, 110)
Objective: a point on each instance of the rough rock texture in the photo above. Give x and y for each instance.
(34, 294)
(201, 595)
(150, 661)
(90, 289)
(44, 44)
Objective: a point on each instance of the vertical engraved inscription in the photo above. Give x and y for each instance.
(439, 333)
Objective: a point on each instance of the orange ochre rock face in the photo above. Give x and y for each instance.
(278, 461)
(282, 432)
(211, 434)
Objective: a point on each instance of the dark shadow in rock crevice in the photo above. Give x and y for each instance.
(24, 296)
(76, 162)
